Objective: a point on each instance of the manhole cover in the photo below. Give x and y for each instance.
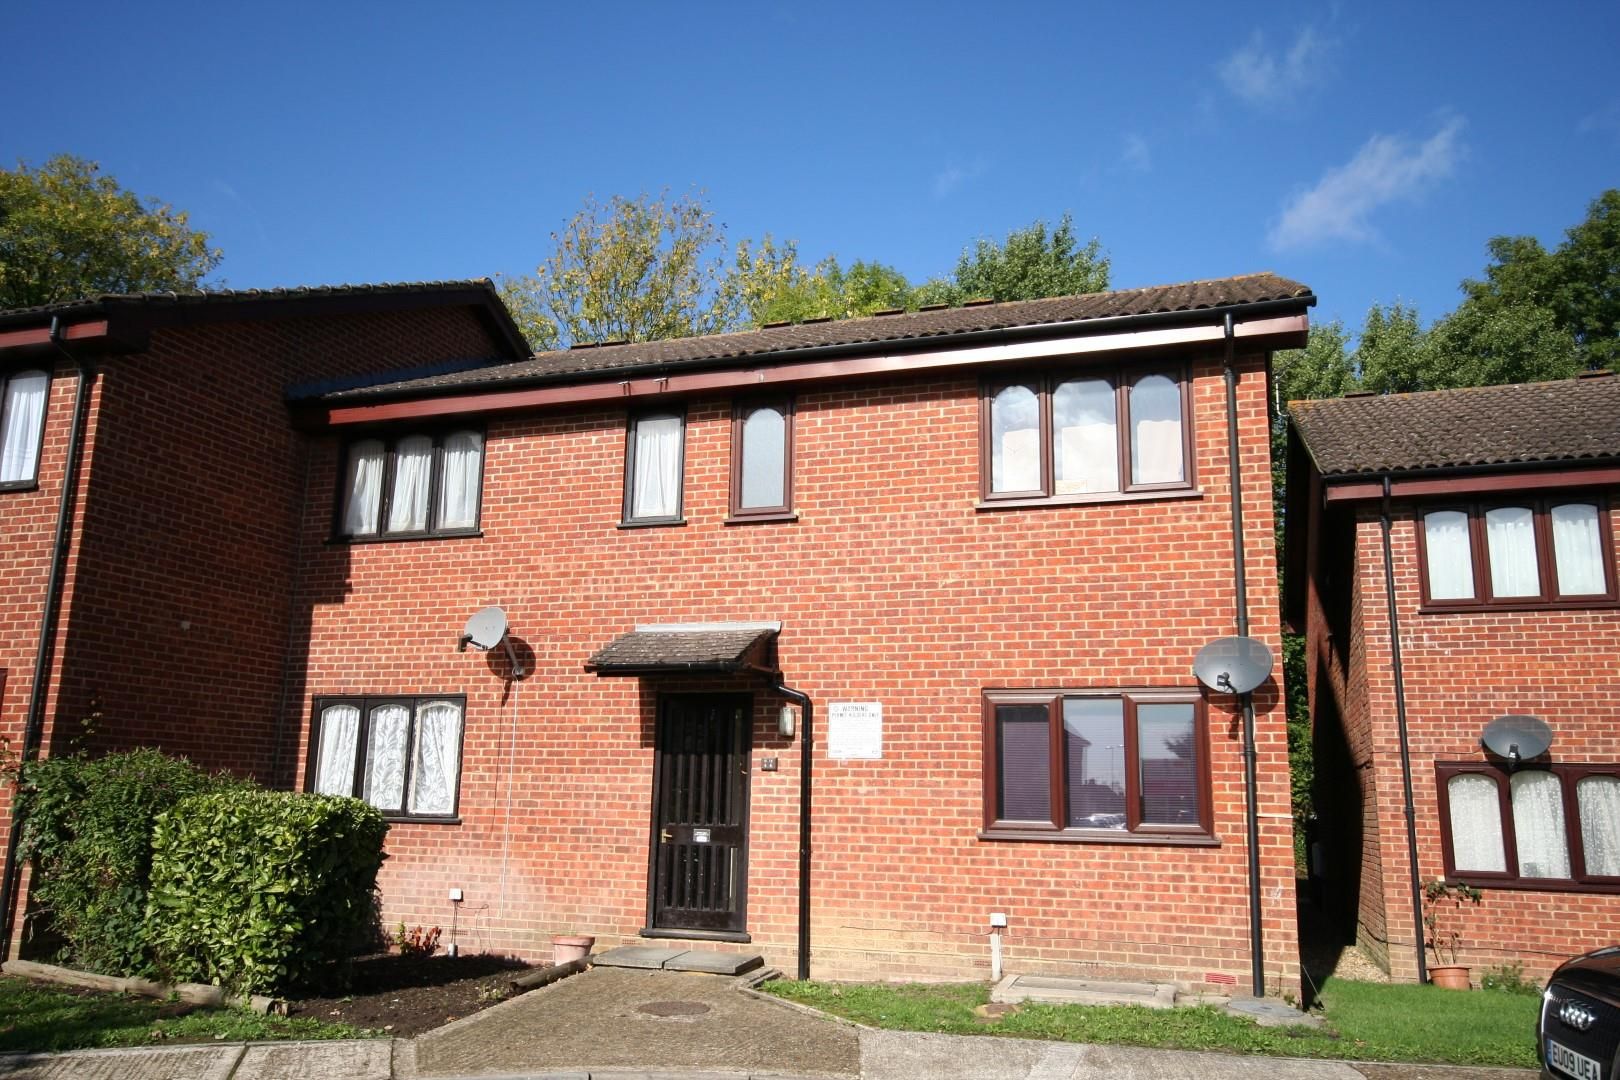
(673, 1008)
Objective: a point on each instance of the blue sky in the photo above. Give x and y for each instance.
(1368, 150)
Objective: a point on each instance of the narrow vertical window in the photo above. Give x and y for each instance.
(463, 470)
(761, 459)
(437, 762)
(1510, 537)
(1476, 824)
(413, 482)
(22, 426)
(653, 476)
(362, 488)
(1023, 733)
(334, 765)
(1538, 825)
(386, 744)
(1578, 550)
(1085, 437)
(1598, 798)
(1450, 558)
(1156, 447)
(1015, 440)
(1094, 746)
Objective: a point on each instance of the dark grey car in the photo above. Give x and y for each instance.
(1579, 1032)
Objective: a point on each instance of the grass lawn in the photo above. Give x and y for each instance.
(35, 1017)
(1365, 1021)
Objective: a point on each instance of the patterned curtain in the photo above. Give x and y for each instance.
(1599, 800)
(334, 764)
(1538, 825)
(1476, 824)
(385, 756)
(438, 758)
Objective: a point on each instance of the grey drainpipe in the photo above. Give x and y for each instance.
(34, 726)
(806, 756)
(1240, 581)
(1406, 752)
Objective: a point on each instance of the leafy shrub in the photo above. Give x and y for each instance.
(417, 941)
(88, 830)
(260, 890)
(1509, 979)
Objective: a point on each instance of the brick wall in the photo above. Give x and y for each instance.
(1461, 671)
(891, 588)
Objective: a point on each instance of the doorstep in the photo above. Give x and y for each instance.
(707, 961)
(1055, 990)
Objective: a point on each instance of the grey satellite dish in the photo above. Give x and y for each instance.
(1233, 665)
(487, 629)
(1517, 737)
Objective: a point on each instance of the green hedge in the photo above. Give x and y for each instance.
(88, 830)
(259, 890)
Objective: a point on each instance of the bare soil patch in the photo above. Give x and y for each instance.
(404, 996)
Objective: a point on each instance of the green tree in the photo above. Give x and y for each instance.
(831, 291)
(1030, 263)
(69, 231)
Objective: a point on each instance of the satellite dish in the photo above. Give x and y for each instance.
(485, 629)
(1517, 737)
(1233, 665)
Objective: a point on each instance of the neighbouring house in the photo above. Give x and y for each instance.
(959, 561)
(1494, 510)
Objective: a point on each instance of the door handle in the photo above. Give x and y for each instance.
(664, 836)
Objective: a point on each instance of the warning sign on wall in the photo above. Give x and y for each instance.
(855, 730)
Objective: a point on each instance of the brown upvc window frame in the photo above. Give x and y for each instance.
(1121, 378)
(740, 412)
(391, 440)
(30, 482)
(366, 704)
(1055, 827)
(1569, 775)
(1541, 507)
(627, 518)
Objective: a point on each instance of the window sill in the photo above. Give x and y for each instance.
(762, 519)
(19, 485)
(1089, 500)
(695, 935)
(1101, 836)
(410, 819)
(399, 538)
(1596, 603)
(1558, 885)
(661, 523)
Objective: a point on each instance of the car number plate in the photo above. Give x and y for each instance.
(1568, 1062)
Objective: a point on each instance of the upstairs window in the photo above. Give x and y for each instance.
(1529, 553)
(1086, 436)
(655, 448)
(413, 485)
(400, 754)
(1096, 765)
(1549, 827)
(22, 426)
(762, 460)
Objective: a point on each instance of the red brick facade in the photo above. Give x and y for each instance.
(1461, 670)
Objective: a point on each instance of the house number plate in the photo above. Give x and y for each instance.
(700, 836)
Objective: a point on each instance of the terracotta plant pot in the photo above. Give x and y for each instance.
(566, 949)
(1450, 977)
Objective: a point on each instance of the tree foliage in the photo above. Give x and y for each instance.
(832, 291)
(1029, 264)
(69, 231)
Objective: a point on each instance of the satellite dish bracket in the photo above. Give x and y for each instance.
(497, 617)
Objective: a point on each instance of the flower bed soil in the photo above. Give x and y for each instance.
(403, 996)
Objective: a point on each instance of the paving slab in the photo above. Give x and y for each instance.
(1057, 990)
(621, 1019)
(350, 1059)
(636, 956)
(136, 1063)
(714, 962)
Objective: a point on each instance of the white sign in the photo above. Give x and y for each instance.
(855, 730)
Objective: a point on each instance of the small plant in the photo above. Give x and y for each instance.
(1509, 979)
(492, 992)
(417, 941)
(1438, 898)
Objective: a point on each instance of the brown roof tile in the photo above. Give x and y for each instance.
(1525, 423)
(779, 344)
(725, 648)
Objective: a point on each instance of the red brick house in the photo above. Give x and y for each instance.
(1494, 509)
(959, 561)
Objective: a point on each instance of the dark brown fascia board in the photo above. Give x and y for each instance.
(104, 333)
(909, 356)
(1483, 480)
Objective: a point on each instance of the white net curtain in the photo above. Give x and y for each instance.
(1450, 555)
(438, 758)
(386, 741)
(1598, 799)
(1538, 824)
(656, 475)
(1578, 550)
(458, 490)
(22, 412)
(334, 765)
(1476, 824)
(1510, 535)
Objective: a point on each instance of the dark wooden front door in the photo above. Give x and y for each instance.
(699, 870)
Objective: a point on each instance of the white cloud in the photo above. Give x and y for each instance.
(953, 176)
(1137, 155)
(1262, 78)
(1605, 119)
(1388, 168)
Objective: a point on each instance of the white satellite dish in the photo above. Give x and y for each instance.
(487, 629)
(1233, 665)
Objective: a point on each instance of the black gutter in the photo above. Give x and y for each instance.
(806, 756)
(35, 723)
(773, 357)
(1240, 582)
(1406, 751)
